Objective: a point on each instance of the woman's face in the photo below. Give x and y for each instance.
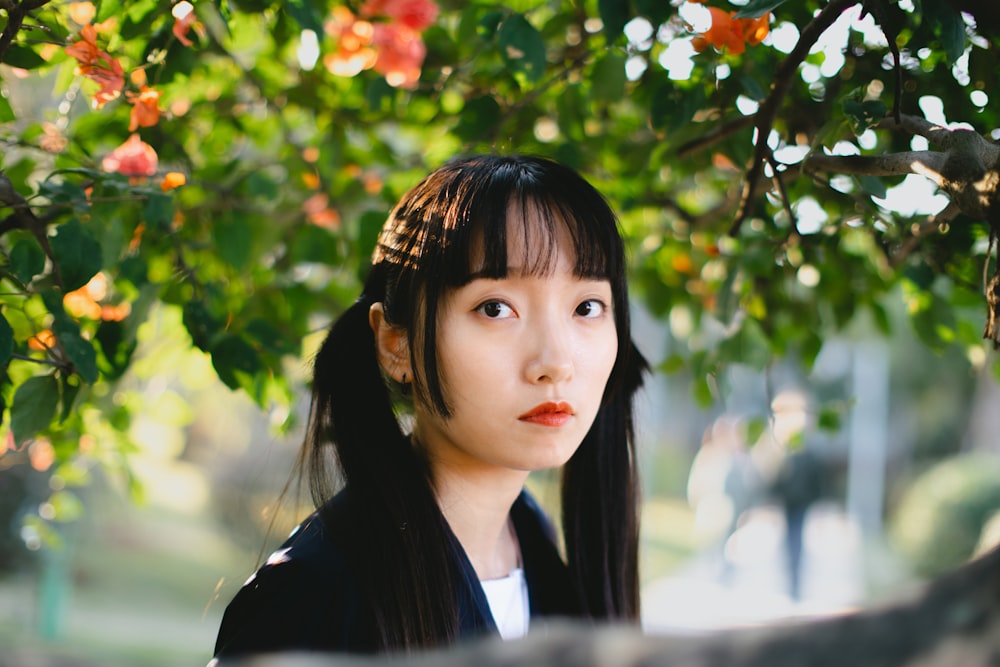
(524, 361)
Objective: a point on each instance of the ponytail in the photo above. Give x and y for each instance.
(396, 537)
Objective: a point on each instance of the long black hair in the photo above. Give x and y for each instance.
(454, 222)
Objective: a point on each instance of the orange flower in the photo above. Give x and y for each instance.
(184, 21)
(732, 34)
(116, 313)
(372, 183)
(354, 52)
(310, 180)
(133, 158)
(401, 52)
(43, 340)
(172, 180)
(85, 50)
(83, 302)
(318, 211)
(79, 304)
(41, 454)
(145, 108)
(82, 13)
(755, 30)
(52, 139)
(97, 65)
(414, 14)
(136, 239)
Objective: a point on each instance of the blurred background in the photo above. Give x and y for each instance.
(190, 193)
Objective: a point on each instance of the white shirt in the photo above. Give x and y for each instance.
(508, 599)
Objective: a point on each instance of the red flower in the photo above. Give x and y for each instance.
(414, 14)
(401, 52)
(184, 20)
(133, 158)
(145, 108)
(98, 66)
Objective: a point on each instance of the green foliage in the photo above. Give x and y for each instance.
(290, 170)
(938, 521)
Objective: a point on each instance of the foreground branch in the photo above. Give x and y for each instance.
(954, 621)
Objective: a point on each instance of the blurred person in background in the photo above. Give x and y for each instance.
(722, 485)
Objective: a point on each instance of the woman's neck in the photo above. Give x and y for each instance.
(478, 512)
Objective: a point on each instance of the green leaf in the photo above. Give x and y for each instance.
(656, 11)
(756, 8)
(952, 33)
(753, 89)
(863, 115)
(673, 107)
(70, 390)
(34, 407)
(78, 349)
(874, 186)
(488, 25)
(829, 419)
(755, 429)
(522, 47)
(233, 240)
(269, 337)
(312, 244)
(614, 16)
(27, 260)
(306, 14)
(77, 253)
(116, 348)
(609, 78)
(235, 361)
(202, 326)
(23, 57)
(6, 111)
(6, 341)
(159, 210)
(479, 118)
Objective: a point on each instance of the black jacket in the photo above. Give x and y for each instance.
(305, 597)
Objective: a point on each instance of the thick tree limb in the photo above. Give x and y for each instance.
(966, 169)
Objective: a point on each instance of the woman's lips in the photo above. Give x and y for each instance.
(550, 413)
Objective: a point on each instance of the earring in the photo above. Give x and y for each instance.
(405, 389)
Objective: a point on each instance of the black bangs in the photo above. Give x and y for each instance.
(540, 202)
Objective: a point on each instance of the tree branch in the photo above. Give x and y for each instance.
(769, 108)
(15, 17)
(727, 129)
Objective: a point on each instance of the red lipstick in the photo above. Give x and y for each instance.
(550, 413)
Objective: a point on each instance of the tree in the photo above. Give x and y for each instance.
(235, 159)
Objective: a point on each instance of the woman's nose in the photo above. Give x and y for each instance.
(551, 358)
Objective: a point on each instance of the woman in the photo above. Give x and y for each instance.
(496, 311)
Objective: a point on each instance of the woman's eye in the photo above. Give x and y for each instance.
(591, 308)
(496, 310)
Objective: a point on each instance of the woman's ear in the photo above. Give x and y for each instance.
(391, 345)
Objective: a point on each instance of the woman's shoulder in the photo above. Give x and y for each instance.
(303, 597)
